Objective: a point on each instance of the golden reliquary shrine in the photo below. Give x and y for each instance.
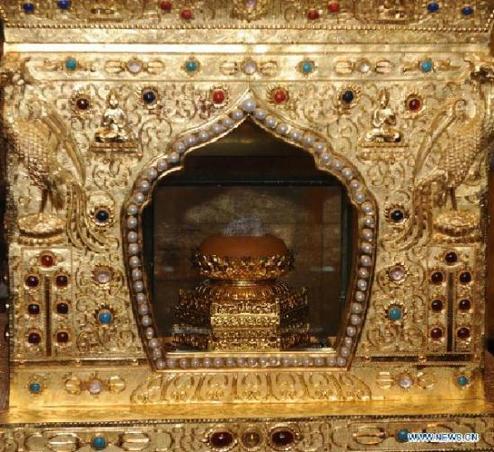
(245, 225)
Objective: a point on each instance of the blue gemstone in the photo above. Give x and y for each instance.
(426, 65)
(98, 443)
(433, 7)
(105, 317)
(64, 4)
(149, 96)
(467, 11)
(71, 64)
(394, 313)
(35, 388)
(462, 380)
(402, 435)
(191, 65)
(307, 67)
(102, 216)
(28, 8)
(348, 96)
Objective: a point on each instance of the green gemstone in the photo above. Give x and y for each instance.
(402, 435)
(191, 65)
(463, 380)
(394, 313)
(307, 67)
(71, 64)
(35, 388)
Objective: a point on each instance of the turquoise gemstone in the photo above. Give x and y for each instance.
(191, 65)
(71, 64)
(307, 67)
(462, 380)
(402, 435)
(98, 443)
(35, 388)
(105, 317)
(394, 313)
(426, 65)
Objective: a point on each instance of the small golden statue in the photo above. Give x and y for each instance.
(384, 122)
(114, 125)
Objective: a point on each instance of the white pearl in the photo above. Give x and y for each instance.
(249, 105)
(195, 362)
(355, 319)
(162, 165)
(367, 207)
(355, 184)
(252, 362)
(237, 115)
(326, 158)
(143, 310)
(184, 363)
(345, 351)
(319, 362)
(320, 147)
(174, 157)
(138, 286)
(360, 296)
(273, 361)
(218, 362)
(366, 261)
(282, 129)
(406, 381)
(180, 147)
(240, 362)
(309, 140)
(337, 164)
(347, 172)
(139, 198)
(360, 197)
(157, 353)
(228, 123)
(369, 221)
(141, 298)
(367, 234)
(149, 333)
(217, 128)
(363, 272)
(263, 361)
(357, 308)
(152, 173)
(271, 122)
(206, 362)
(230, 362)
(160, 364)
(250, 67)
(203, 135)
(136, 274)
(351, 331)
(331, 361)
(95, 386)
(132, 223)
(295, 135)
(190, 140)
(397, 273)
(260, 114)
(341, 361)
(362, 284)
(133, 248)
(366, 248)
(348, 341)
(146, 320)
(134, 261)
(171, 363)
(144, 185)
(287, 362)
(132, 210)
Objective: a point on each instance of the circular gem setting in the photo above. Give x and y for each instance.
(62, 308)
(35, 388)
(221, 440)
(64, 4)
(395, 313)
(29, 8)
(426, 65)
(463, 380)
(464, 305)
(32, 281)
(33, 309)
(98, 442)
(102, 216)
(166, 6)
(282, 438)
(313, 14)
(105, 317)
(433, 7)
(437, 305)
(436, 333)
(149, 96)
(402, 435)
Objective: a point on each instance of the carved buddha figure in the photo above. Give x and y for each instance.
(114, 128)
(384, 122)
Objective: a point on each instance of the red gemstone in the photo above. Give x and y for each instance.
(333, 7)
(34, 338)
(464, 304)
(62, 308)
(47, 260)
(218, 96)
(186, 14)
(282, 438)
(437, 305)
(220, 440)
(166, 6)
(437, 277)
(436, 333)
(313, 14)
(414, 104)
(280, 96)
(451, 258)
(82, 103)
(32, 281)
(465, 277)
(62, 280)
(463, 333)
(33, 309)
(62, 337)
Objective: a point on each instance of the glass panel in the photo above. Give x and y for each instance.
(256, 179)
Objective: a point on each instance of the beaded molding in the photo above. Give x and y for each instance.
(327, 160)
